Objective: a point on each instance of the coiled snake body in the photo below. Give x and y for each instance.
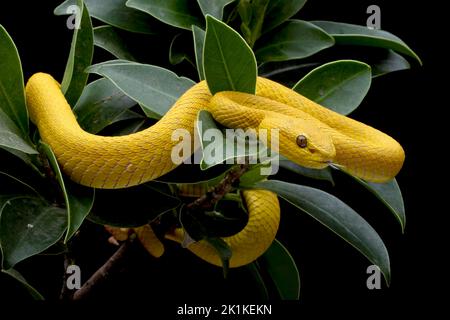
(309, 134)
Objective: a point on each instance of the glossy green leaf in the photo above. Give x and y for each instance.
(79, 200)
(254, 271)
(11, 136)
(80, 57)
(12, 93)
(177, 13)
(117, 14)
(278, 11)
(223, 48)
(181, 49)
(252, 15)
(318, 174)
(255, 174)
(10, 184)
(293, 39)
(390, 195)
(231, 147)
(213, 8)
(351, 34)
(106, 37)
(339, 85)
(17, 276)
(285, 71)
(128, 115)
(156, 89)
(280, 265)
(199, 43)
(338, 217)
(143, 204)
(224, 252)
(28, 226)
(100, 105)
(187, 173)
(391, 62)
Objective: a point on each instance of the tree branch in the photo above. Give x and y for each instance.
(205, 202)
(66, 294)
(208, 200)
(103, 273)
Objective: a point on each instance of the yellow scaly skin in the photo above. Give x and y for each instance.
(252, 241)
(119, 162)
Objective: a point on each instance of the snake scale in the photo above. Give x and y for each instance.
(309, 134)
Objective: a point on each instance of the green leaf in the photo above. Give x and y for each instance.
(11, 136)
(294, 39)
(117, 14)
(106, 37)
(179, 49)
(339, 85)
(318, 174)
(278, 11)
(351, 34)
(14, 185)
(79, 200)
(12, 93)
(199, 43)
(80, 57)
(213, 8)
(390, 63)
(285, 71)
(252, 16)
(128, 115)
(390, 195)
(17, 276)
(223, 251)
(219, 147)
(223, 48)
(100, 105)
(253, 175)
(338, 217)
(187, 173)
(253, 268)
(156, 89)
(131, 207)
(28, 226)
(280, 265)
(177, 13)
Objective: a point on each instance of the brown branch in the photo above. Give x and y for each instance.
(205, 202)
(208, 200)
(66, 294)
(103, 273)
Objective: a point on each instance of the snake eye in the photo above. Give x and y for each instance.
(302, 141)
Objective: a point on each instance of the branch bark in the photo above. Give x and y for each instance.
(205, 202)
(103, 273)
(208, 200)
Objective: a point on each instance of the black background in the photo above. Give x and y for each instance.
(407, 105)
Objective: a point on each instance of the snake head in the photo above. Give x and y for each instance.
(303, 141)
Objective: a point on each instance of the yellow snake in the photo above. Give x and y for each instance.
(309, 134)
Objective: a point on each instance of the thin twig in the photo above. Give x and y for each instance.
(103, 273)
(66, 294)
(205, 202)
(208, 200)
